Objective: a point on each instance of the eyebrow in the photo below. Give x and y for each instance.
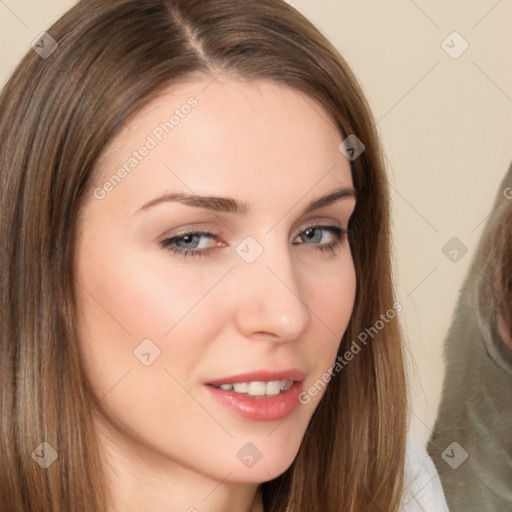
(230, 205)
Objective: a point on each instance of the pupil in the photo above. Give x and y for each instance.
(311, 231)
(187, 239)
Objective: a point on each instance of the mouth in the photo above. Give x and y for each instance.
(258, 396)
(257, 388)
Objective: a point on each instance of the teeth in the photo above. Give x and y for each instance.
(256, 388)
(285, 384)
(270, 388)
(241, 387)
(273, 388)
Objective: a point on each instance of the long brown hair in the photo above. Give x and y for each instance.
(57, 115)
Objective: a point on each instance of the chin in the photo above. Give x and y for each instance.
(260, 459)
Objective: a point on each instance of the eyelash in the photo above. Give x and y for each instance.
(331, 247)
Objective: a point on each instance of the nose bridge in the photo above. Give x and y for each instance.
(269, 296)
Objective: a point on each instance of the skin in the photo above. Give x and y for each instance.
(170, 446)
(504, 332)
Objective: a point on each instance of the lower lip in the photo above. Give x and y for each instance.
(259, 408)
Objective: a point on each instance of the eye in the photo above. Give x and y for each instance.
(189, 243)
(195, 243)
(319, 236)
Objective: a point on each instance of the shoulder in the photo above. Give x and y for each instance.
(423, 491)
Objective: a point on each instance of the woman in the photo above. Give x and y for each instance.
(196, 227)
(471, 443)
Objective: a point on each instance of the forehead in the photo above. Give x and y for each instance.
(222, 134)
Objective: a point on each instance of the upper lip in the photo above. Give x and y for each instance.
(261, 376)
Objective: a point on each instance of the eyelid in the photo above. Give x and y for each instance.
(323, 221)
(209, 229)
(188, 229)
(319, 222)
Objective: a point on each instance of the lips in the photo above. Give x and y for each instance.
(264, 395)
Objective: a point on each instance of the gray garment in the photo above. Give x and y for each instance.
(471, 444)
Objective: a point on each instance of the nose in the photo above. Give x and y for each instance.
(269, 297)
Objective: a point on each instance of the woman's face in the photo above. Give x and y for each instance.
(261, 293)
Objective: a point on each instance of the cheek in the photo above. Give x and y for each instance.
(331, 305)
(331, 298)
(129, 292)
(338, 299)
(123, 301)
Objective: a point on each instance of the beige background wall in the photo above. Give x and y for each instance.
(446, 126)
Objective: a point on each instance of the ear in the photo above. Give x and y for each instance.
(504, 332)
